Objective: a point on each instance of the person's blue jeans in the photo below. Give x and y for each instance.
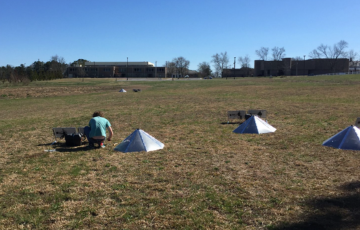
(87, 134)
(87, 130)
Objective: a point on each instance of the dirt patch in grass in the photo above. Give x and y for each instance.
(38, 92)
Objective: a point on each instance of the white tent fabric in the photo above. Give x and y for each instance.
(254, 125)
(138, 141)
(348, 138)
(122, 90)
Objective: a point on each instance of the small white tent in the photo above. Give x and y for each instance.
(254, 125)
(348, 138)
(138, 141)
(122, 90)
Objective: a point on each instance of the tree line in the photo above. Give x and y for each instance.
(221, 61)
(37, 71)
(178, 67)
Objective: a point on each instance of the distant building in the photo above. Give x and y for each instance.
(354, 67)
(193, 73)
(242, 72)
(288, 66)
(116, 69)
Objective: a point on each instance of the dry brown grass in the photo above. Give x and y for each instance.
(206, 177)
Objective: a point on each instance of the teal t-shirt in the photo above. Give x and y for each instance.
(98, 126)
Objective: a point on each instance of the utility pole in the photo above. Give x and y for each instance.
(127, 72)
(234, 66)
(304, 65)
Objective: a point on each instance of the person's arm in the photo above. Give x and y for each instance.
(110, 133)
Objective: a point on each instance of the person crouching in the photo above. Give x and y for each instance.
(96, 131)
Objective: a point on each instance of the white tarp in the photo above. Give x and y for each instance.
(122, 90)
(348, 138)
(138, 141)
(254, 125)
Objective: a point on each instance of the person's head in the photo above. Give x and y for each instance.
(98, 114)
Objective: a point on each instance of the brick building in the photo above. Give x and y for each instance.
(242, 72)
(116, 69)
(288, 66)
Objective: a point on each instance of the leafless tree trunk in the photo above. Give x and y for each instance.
(353, 59)
(262, 53)
(171, 69)
(278, 53)
(181, 65)
(82, 72)
(220, 61)
(244, 61)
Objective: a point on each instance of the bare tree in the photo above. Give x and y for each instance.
(353, 60)
(171, 68)
(82, 72)
(334, 52)
(262, 53)
(220, 62)
(338, 50)
(278, 53)
(58, 64)
(204, 69)
(244, 61)
(352, 55)
(181, 66)
(315, 54)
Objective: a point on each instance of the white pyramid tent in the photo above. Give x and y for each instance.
(138, 141)
(254, 125)
(122, 90)
(348, 138)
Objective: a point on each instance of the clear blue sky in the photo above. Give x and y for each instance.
(160, 30)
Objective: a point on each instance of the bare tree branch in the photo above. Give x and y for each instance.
(181, 65)
(335, 52)
(220, 61)
(278, 53)
(262, 53)
(244, 61)
(352, 55)
(314, 54)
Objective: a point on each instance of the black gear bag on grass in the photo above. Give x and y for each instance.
(73, 139)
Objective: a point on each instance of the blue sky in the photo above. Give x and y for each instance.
(160, 30)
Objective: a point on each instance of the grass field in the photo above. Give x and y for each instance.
(206, 177)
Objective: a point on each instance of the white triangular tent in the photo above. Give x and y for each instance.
(122, 90)
(138, 141)
(254, 125)
(348, 138)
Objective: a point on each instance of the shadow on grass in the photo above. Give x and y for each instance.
(72, 149)
(47, 144)
(232, 123)
(62, 147)
(340, 212)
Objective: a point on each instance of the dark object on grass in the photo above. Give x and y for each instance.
(73, 139)
(258, 112)
(136, 90)
(238, 114)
